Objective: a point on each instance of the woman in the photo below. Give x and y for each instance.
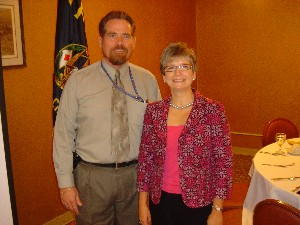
(185, 159)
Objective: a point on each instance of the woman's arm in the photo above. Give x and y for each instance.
(222, 154)
(144, 212)
(216, 218)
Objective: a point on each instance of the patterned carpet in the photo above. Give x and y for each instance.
(241, 166)
(233, 207)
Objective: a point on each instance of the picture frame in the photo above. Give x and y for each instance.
(11, 33)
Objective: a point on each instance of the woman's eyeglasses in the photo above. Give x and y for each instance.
(182, 67)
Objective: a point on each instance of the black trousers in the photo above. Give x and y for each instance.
(171, 210)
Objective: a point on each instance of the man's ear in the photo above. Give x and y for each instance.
(134, 42)
(100, 41)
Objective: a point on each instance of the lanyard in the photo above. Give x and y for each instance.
(137, 97)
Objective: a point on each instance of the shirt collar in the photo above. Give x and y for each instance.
(112, 71)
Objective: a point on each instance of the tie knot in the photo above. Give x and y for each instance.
(117, 77)
(118, 74)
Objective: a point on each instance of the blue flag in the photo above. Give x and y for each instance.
(70, 46)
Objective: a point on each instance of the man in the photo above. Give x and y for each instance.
(102, 188)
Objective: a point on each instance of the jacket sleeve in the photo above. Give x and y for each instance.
(145, 159)
(222, 153)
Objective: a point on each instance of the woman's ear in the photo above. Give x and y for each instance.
(194, 75)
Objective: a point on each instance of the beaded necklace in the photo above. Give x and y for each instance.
(181, 107)
(137, 97)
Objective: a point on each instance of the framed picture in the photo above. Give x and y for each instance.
(11, 33)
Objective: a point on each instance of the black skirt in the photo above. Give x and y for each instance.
(171, 210)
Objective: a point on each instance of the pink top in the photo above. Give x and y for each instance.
(171, 182)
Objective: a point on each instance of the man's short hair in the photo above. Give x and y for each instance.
(120, 15)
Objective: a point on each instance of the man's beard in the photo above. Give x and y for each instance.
(118, 58)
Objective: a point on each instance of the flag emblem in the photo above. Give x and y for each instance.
(68, 59)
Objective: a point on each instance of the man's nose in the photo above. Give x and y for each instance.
(119, 38)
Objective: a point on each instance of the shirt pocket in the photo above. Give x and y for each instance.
(136, 111)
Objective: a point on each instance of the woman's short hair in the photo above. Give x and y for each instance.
(120, 15)
(177, 50)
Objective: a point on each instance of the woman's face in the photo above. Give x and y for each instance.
(179, 74)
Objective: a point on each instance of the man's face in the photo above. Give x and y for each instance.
(117, 44)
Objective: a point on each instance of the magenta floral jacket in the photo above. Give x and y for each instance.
(204, 152)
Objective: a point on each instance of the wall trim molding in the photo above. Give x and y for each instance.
(62, 219)
(246, 134)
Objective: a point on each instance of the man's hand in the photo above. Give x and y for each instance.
(70, 199)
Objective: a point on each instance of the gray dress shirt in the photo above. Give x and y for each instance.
(83, 121)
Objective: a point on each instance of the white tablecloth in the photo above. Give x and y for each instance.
(262, 187)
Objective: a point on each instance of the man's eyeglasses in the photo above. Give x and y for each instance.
(182, 67)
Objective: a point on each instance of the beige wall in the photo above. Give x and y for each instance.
(249, 59)
(28, 89)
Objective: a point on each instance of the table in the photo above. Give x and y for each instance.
(262, 187)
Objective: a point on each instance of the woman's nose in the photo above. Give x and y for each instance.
(177, 71)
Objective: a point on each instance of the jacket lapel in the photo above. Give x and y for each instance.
(161, 115)
(196, 114)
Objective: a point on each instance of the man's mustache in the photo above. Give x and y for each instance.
(120, 48)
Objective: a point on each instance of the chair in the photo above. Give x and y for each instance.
(275, 212)
(279, 125)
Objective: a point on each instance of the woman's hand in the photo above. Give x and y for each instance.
(215, 218)
(70, 199)
(144, 211)
(144, 215)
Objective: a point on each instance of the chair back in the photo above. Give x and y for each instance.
(279, 125)
(275, 212)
